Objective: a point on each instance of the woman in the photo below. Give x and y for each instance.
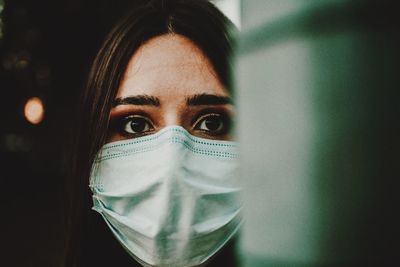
(155, 143)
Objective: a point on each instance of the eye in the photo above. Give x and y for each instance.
(129, 126)
(213, 124)
(136, 125)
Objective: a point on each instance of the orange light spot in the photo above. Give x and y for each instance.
(34, 110)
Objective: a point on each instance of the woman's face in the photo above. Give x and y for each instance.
(169, 81)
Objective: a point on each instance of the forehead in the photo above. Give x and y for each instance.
(170, 64)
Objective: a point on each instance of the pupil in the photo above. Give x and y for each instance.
(213, 124)
(138, 125)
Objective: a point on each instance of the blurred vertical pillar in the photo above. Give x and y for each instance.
(318, 92)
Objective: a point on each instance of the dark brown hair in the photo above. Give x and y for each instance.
(197, 20)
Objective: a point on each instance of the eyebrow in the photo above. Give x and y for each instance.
(208, 99)
(140, 100)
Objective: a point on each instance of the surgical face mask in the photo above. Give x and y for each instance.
(171, 199)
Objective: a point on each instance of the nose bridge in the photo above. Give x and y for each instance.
(172, 117)
(172, 111)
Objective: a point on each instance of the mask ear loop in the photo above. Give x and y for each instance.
(94, 174)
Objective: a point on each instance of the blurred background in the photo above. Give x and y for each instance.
(317, 89)
(46, 48)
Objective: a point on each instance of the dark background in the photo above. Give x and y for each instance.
(45, 50)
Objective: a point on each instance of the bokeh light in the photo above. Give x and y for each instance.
(34, 110)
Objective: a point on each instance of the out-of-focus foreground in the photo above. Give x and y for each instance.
(318, 96)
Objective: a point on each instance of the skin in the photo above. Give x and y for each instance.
(162, 75)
